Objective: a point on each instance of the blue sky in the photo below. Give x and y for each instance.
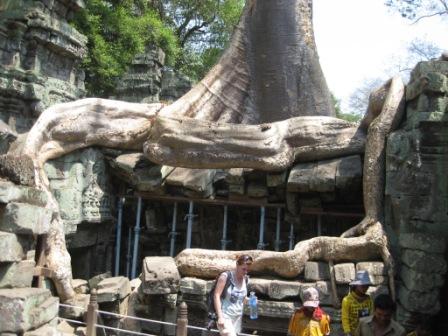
(359, 39)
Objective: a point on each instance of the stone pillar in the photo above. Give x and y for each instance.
(417, 193)
(40, 55)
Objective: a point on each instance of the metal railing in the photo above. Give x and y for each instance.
(91, 320)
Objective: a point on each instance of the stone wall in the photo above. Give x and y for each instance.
(82, 186)
(417, 194)
(39, 59)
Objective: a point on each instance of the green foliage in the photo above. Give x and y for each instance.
(204, 29)
(352, 117)
(116, 32)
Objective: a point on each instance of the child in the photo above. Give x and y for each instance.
(356, 303)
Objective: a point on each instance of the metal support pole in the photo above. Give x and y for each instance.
(190, 224)
(136, 238)
(224, 240)
(261, 244)
(319, 225)
(277, 230)
(91, 317)
(128, 255)
(173, 232)
(291, 236)
(118, 236)
(182, 320)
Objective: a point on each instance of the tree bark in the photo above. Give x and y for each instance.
(269, 73)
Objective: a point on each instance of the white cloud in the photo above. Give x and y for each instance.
(357, 39)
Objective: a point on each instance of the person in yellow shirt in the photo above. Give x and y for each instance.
(356, 303)
(310, 319)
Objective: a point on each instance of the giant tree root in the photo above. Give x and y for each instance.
(365, 241)
(70, 126)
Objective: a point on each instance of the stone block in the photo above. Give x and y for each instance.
(349, 173)
(276, 179)
(193, 286)
(22, 218)
(116, 306)
(13, 247)
(277, 309)
(299, 177)
(10, 192)
(260, 286)
(160, 275)
(280, 290)
(344, 273)
(77, 307)
(256, 190)
(23, 309)
(112, 289)
(80, 286)
(94, 281)
(317, 270)
(373, 267)
(423, 242)
(420, 282)
(197, 180)
(423, 262)
(413, 301)
(17, 275)
(324, 176)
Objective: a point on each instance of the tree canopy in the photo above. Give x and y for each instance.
(192, 33)
(419, 9)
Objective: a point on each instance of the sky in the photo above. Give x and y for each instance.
(359, 39)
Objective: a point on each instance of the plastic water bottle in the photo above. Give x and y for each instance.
(253, 306)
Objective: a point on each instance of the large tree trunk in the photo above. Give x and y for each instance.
(270, 72)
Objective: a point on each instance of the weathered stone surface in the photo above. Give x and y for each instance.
(373, 267)
(141, 173)
(299, 177)
(112, 289)
(413, 301)
(142, 81)
(315, 270)
(22, 218)
(44, 331)
(326, 176)
(256, 190)
(17, 169)
(22, 309)
(276, 179)
(424, 262)
(78, 307)
(40, 55)
(94, 281)
(423, 242)
(80, 286)
(420, 282)
(199, 181)
(344, 273)
(7, 136)
(160, 275)
(80, 184)
(273, 309)
(174, 85)
(193, 286)
(16, 275)
(13, 247)
(10, 192)
(280, 290)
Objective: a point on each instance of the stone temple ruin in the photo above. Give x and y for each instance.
(148, 234)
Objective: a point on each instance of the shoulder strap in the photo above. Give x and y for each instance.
(229, 281)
